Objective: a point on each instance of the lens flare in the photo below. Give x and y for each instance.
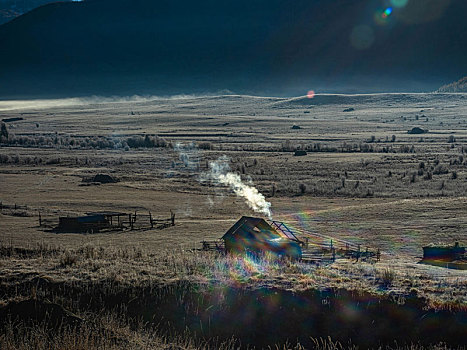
(362, 37)
(399, 3)
(382, 15)
(310, 94)
(387, 12)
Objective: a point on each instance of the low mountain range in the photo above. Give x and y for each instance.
(458, 86)
(9, 9)
(121, 47)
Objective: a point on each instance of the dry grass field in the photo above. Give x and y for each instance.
(364, 179)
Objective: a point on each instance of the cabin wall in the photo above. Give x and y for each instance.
(443, 253)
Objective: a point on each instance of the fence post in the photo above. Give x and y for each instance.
(40, 219)
(150, 220)
(172, 217)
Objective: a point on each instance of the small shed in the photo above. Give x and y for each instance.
(257, 236)
(447, 253)
(91, 223)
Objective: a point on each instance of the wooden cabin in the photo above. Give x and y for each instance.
(256, 235)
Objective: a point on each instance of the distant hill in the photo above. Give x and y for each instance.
(263, 47)
(10, 9)
(458, 86)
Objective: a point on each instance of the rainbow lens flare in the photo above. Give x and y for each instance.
(387, 12)
(381, 16)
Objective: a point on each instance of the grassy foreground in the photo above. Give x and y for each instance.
(107, 298)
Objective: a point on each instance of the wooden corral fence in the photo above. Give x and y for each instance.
(94, 222)
(14, 209)
(4, 206)
(318, 247)
(216, 245)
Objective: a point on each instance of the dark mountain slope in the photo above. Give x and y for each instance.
(10, 9)
(457, 86)
(275, 46)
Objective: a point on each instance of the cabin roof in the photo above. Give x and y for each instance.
(253, 228)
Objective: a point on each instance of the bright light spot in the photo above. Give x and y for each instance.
(382, 16)
(362, 37)
(310, 94)
(387, 12)
(399, 3)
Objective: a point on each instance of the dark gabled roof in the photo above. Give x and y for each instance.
(250, 227)
(107, 213)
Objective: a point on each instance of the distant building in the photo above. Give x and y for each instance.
(453, 257)
(91, 223)
(444, 253)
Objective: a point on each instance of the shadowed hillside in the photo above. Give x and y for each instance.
(10, 9)
(126, 47)
(458, 86)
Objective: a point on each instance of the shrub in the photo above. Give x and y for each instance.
(205, 146)
(53, 161)
(387, 277)
(4, 158)
(68, 259)
(4, 131)
(302, 188)
(440, 169)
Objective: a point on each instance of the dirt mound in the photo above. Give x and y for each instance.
(32, 312)
(417, 131)
(104, 179)
(300, 153)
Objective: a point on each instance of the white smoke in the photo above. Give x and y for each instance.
(188, 155)
(219, 173)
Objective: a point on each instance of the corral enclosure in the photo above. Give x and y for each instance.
(364, 179)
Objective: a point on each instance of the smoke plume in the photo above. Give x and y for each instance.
(219, 173)
(188, 155)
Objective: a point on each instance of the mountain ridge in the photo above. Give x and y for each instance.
(127, 47)
(457, 86)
